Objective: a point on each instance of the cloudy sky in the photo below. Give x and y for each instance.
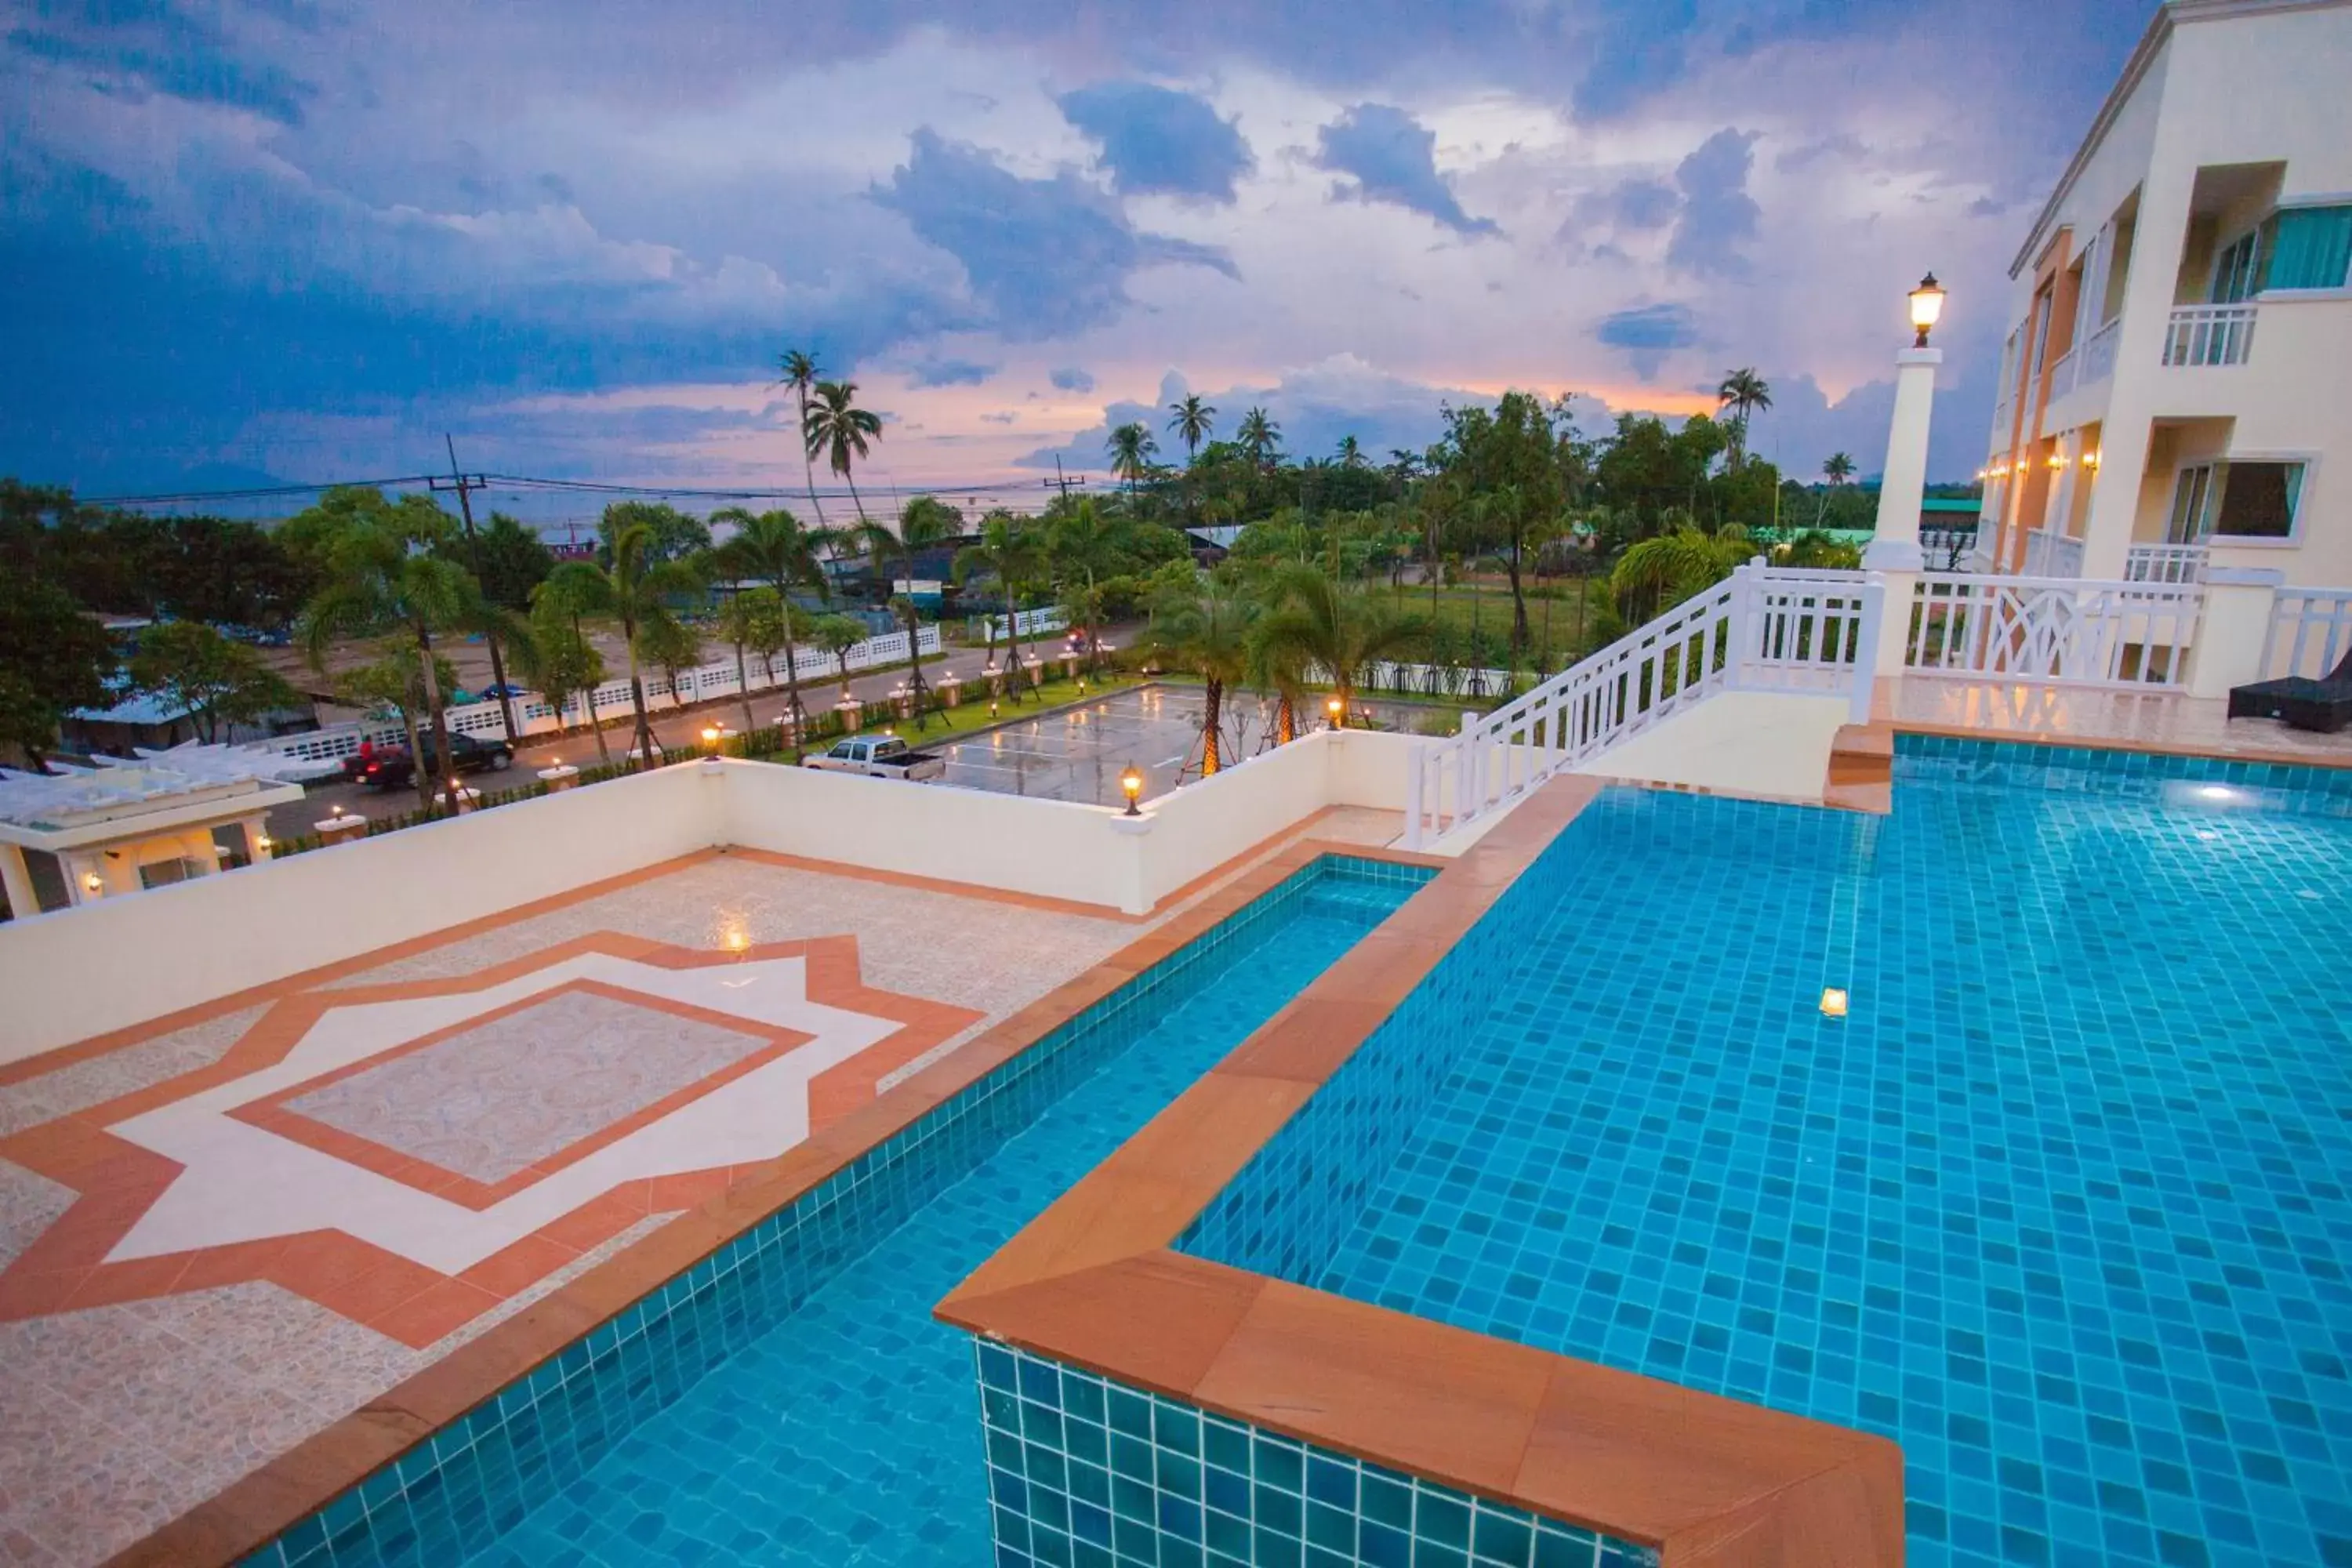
(303, 240)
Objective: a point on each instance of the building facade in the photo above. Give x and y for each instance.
(2172, 388)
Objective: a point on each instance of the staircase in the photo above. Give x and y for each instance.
(1762, 628)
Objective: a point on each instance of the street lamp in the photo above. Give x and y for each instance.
(1130, 784)
(1927, 305)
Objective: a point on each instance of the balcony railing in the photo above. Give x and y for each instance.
(2049, 555)
(2062, 376)
(2057, 629)
(2094, 357)
(2165, 564)
(2210, 334)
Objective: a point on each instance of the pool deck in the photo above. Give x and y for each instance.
(250, 1251)
(2138, 721)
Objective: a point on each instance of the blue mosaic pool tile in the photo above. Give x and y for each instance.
(2061, 1206)
(1085, 1472)
(529, 1471)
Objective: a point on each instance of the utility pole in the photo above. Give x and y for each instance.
(464, 485)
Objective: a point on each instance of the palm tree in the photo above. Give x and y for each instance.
(1352, 455)
(1193, 422)
(927, 523)
(1260, 436)
(775, 549)
(1007, 551)
(1130, 448)
(1744, 392)
(800, 373)
(1205, 628)
(835, 426)
(1317, 626)
(384, 572)
(558, 607)
(1659, 572)
(1837, 467)
(748, 619)
(633, 594)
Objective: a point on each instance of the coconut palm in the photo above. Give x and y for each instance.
(1352, 453)
(775, 548)
(1130, 448)
(1008, 550)
(1194, 422)
(927, 523)
(800, 373)
(1205, 628)
(1838, 468)
(836, 429)
(1317, 626)
(1659, 572)
(634, 595)
(1743, 393)
(384, 572)
(1259, 436)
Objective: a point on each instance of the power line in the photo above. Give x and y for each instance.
(541, 483)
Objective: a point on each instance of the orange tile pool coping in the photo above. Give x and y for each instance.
(252, 1512)
(1704, 1480)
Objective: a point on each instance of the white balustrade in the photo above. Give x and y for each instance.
(2051, 554)
(1758, 630)
(537, 716)
(2094, 357)
(2165, 564)
(2309, 634)
(2056, 629)
(2062, 376)
(1033, 623)
(2210, 334)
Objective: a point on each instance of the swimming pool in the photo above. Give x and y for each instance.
(2059, 1205)
(798, 1404)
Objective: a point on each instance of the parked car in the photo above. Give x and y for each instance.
(879, 757)
(390, 767)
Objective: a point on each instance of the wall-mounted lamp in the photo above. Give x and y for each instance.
(93, 882)
(2057, 461)
(2091, 460)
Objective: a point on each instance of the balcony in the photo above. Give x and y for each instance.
(2095, 360)
(2210, 334)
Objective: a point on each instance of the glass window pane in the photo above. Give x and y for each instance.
(2258, 501)
(2313, 249)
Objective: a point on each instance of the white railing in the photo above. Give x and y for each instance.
(2309, 634)
(1033, 623)
(2062, 376)
(2056, 629)
(2094, 357)
(2165, 564)
(1758, 630)
(2210, 334)
(2051, 554)
(536, 715)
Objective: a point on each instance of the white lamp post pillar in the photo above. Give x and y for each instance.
(17, 878)
(1894, 552)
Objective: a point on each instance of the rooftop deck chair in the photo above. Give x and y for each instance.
(2324, 705)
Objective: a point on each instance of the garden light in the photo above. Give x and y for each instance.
(1130, 784)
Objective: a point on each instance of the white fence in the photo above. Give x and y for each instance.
(537, 716)
(2310, 632)
(1032, 624)
(2165, 564)
(1759, 629)
(2065, 629)
(2210, 334)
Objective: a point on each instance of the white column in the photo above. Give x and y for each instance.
(256, 834)
(1893, 551)
(17, 878)
(2229, 647)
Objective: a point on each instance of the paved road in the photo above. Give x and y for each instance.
(679, 730)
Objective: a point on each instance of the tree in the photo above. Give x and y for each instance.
(1008, 551)
(1352, 453)
(632, 594)
(1205, 628)
(1193, 422)
(513, 561)
(215, 680)
(1507, 462)
(1260, 438)
(395, 681)
(671, 534)
(670, 646)
(837, 635)
(53, 660)
(1838, 468)
(748, 618)
(1656, 574)
(773, 548)
(800, 373)
(1745, 393)
(1317, 625)
(1130, 448)
(562, 663)
(836, 429)
(926, 524)
(386, 572)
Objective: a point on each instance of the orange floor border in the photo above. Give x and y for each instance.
(64, 1269)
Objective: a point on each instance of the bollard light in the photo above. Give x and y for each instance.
(1337, 710)
(1926, 306)
(1130, 784)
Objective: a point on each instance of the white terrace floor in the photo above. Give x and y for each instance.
(250, 1225)
(2154, 721)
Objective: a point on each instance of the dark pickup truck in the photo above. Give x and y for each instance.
(390, 767)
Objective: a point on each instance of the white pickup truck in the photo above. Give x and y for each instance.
(879, 757)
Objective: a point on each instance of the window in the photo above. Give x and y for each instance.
(2235, 500)
(164, 873)
(2310, 247)
(2236, 271)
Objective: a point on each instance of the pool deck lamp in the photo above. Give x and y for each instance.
(1130, 784)
(1927, 305)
